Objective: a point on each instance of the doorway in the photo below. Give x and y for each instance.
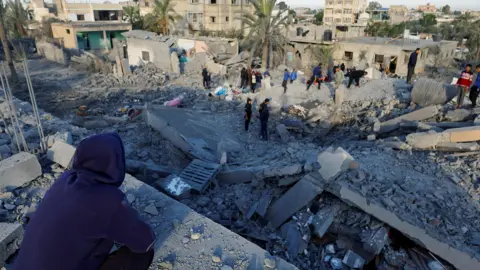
(393, 64)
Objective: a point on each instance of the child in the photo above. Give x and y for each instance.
(475, 88)
(293, 76)
(286, 77)
(463, 83)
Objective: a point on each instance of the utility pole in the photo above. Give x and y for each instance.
(287, 37)
(241, 16)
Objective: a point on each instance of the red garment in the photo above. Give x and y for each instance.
(466, 79)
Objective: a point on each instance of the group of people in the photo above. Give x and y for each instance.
(465, 84)
(288, 76)
(264, 114)
(339, 71)
(252, 78)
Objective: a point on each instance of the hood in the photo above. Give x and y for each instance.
(100, 158)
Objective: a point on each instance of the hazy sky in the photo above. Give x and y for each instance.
(470, 4)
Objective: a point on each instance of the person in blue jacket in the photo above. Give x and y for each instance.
(316, 76)
(293, 75)
(84, 213)
(286, 77)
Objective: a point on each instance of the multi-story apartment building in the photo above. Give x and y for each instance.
(210, 15)
(398, 14)
(343, 12)
(428, 8)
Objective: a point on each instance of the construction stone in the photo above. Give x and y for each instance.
(61, 153)
(428, 140)
(371, 137)
(19, 169)
(376, 241)
(283, 132)
(324, 218)
(456, 257)
(263, 204)
(333, 162)
(136, 166)
(10, 238)
(427, 92)
(353, 260)
(295, 198)
(458, 115)
(447, 125)
(293, 238)
(236, 176)
(417, 115)
(457, 147)
(175, 221)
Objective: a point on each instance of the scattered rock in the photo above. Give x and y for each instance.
(216, 259)
(270, 263)
(130, 198)
(151, 209)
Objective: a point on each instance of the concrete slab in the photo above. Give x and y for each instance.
(11, 235)
(176, 222)
(456, 257)
(61, 153)
(426, 140)
(136, 166)
(19, 169)
(458, 115)
(333, 162)
(236, 176)
(295, 198)
(418, 115)
(324, 218)
(283, 132)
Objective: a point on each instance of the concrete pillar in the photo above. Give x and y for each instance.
(105, 40)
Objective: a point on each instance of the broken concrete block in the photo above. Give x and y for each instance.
(333, 162)
(19, 169)
(466, 134)
(92, 124)
(61, 153)
(10, 238)
(426, 140)
(371, 137)
(65, 137)
(376, 241)
(324, 218)
(283, 171)
(446, 125)
(237, 176)
(263, 204)
(417, 115)
(136, 166)
(339, 95)
(457, 147)
(283, 132)
(175, 186)
(458, 115)
(427, 92)
(295, 198)
(293, 238)
(353, 260)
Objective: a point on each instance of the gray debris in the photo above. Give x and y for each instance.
(353, 260)
(151, 209)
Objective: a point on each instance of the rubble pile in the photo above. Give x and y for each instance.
(147, 76)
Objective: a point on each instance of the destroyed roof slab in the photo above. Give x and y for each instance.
(102, 24)
(175, 223)
(406, 44)
(146, 35)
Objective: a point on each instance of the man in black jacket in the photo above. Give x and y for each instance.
(248, 113)
(355, 76)
(412, 62)
(264, 114)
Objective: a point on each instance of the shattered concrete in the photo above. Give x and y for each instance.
(19, 169)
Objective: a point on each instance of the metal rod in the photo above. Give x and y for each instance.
(8, 90)
(34, 105)
(10, 112)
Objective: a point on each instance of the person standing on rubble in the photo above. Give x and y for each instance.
(355, 76)
(243, 78)
(286, 77)
(182, 61)
(475, 88)
(264, 114)
(253, 79)
(248, 113)
(463, 83)
(339, 77)
(204, 76)
(316, 77)
(412, 62)
(342, 67)
(258, 79)
(84, 213)
(293, 75)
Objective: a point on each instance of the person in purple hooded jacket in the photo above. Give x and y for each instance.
(84, 213)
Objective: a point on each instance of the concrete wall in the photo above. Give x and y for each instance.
(159, 52)
(67, 34)
(52, 52)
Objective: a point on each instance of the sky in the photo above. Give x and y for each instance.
(464, 4)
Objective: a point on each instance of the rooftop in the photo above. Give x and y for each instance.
(141, 34)
(404, 43)
(98, 24)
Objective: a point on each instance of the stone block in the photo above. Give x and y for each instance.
(371, 137)
(324, 218)
(466, 134)
(333, 162)
(283, 132)
(61, 153)
(353, 260)
(295, 198)
(458, 115)
(19, 169)
(376, 241)
(11, 235)
(418, 115)
(237, 176)
(293, 239)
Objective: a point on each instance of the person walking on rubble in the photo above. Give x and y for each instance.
(204, 76)
(243, 78)
(264, 114)
(286, 77)
(248, 113)
(475, 88)
(316, 76)
(253, 85)
(463, 83)
(293, 75)
(258, 78)
(182, 61)
(84, 213)
(355, 76)
(412, 62)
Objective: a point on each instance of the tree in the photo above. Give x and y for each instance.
(6, 49)
(131, 14)
(446, 9)
(282, 5)
(319, 17)
(264, 28)
(374, 5)
(162, 17)
(457, 13)
(323, 54)
(16, 18)
(428, 20)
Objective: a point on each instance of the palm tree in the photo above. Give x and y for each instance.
(131, 14)
(263, 27)
(6, 49)
(163, 15)
(16, 18)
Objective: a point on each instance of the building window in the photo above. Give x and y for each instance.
(327, 19)
(338, 20)
(330, 3)
(338, 11)
(68, 31)
(234, 2)
(347, 20)
(194, 1)
(226, 19)
(80, 17)
(145, 56)
(340, 2)
(213, 2)
(212, 19)
(347, 11)
(379, 58)
(348, 55)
